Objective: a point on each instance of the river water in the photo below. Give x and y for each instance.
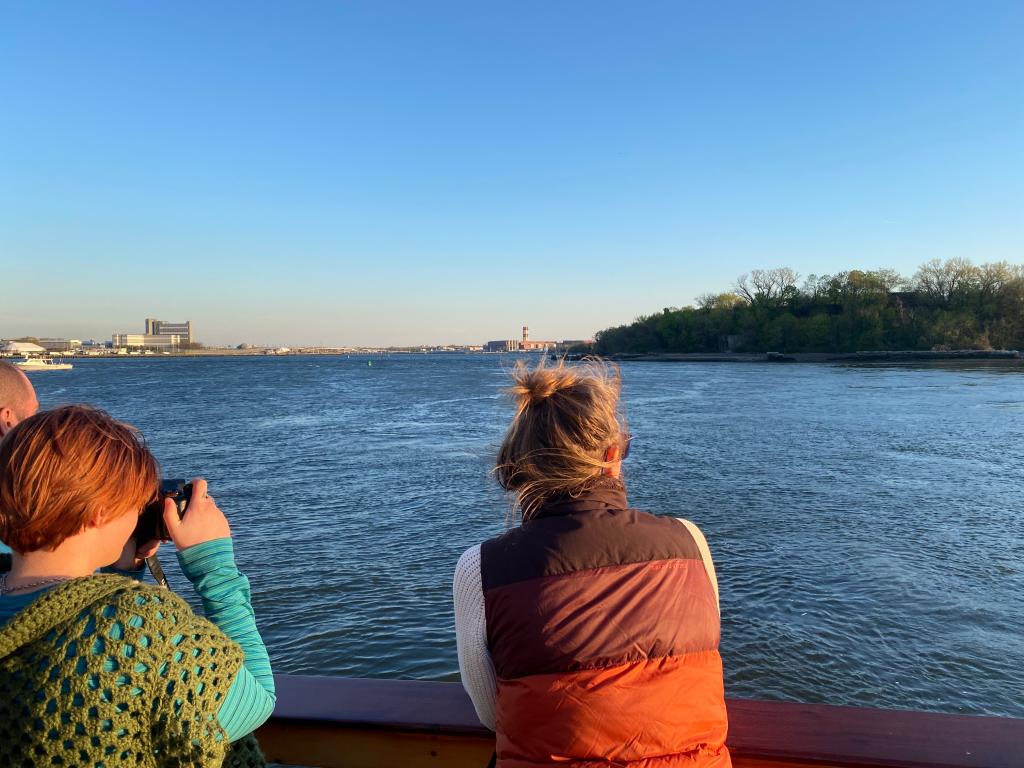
(866, 522)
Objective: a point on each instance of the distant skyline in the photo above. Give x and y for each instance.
(384, 173)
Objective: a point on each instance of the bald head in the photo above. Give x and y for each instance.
(17, 397)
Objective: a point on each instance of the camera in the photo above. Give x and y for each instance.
(151, 521)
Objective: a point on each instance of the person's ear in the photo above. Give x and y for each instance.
(7, 421)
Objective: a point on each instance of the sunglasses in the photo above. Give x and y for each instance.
(625, 449)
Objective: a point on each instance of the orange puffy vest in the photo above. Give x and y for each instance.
(603, 627)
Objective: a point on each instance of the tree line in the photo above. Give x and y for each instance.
(945, 305)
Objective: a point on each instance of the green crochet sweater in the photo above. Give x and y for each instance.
(84, 686)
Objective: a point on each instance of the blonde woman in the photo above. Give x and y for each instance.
(588, 634)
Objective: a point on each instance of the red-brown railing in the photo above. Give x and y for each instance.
(358, 723)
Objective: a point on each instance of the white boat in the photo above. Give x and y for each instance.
(30, 364)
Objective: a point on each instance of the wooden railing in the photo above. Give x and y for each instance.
(355, 723)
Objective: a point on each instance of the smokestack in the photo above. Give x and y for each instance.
(526, 333)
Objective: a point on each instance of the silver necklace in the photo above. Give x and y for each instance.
(5, 590)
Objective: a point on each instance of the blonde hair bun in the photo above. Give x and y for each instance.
(537, 385)
(566, 418)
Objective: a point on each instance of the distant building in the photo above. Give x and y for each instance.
(60, 345)
(534, 346)
(156, 327)
(502, 345)
(21, 348)
(160, 334)
(515, 345)
(165, 342)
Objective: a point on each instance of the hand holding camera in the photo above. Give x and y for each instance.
(200, 520)
(184, 513)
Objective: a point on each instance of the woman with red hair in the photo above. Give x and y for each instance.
(99, 668)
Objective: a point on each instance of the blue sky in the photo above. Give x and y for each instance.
(422, 172)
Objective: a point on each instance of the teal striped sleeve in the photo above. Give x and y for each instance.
(210, 567)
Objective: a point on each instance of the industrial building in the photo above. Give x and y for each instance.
(60, 345)
(165, 342)
(183, 331)
(516, 345)
(534, 346)
(160, 334)
(502, 345)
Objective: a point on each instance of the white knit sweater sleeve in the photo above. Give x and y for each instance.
(705, 555)
(475, 664)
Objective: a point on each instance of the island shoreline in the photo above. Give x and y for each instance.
(1009, 358)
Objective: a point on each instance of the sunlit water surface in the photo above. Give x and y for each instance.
(866, 523)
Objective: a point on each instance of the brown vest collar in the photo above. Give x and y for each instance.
(607, 493)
